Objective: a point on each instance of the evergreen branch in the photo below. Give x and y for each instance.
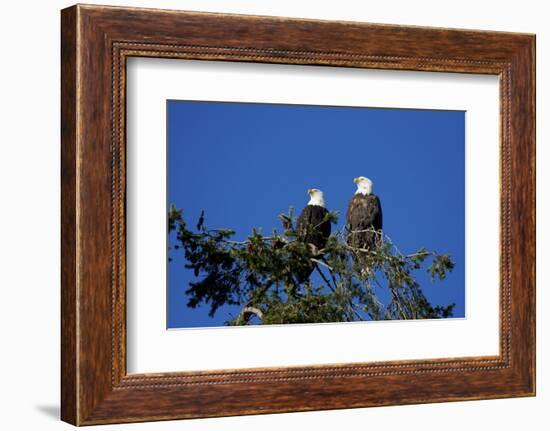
(270, 274)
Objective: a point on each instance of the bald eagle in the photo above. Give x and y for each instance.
(364, 216)
(313, 227)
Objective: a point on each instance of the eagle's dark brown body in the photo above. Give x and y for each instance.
(312, 228)
(364, 221)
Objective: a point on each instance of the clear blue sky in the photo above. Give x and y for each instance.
(245, 163)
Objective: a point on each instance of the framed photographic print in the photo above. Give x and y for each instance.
(326, 214)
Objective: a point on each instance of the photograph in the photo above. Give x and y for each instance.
(307, 214)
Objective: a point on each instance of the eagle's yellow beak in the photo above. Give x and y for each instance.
(356, 180)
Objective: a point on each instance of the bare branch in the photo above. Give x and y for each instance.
(264, 238)
(247, 312)
(325, 279)
(321, 263)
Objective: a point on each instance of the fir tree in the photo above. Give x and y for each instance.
(259, 274)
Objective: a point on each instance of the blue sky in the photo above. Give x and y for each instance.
(245, 163)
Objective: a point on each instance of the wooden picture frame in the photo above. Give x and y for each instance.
(95, 43)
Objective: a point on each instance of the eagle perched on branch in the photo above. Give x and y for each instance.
(364, 217)
(313, 227)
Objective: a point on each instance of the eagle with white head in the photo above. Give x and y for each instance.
(364, 216)
(313, 226)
